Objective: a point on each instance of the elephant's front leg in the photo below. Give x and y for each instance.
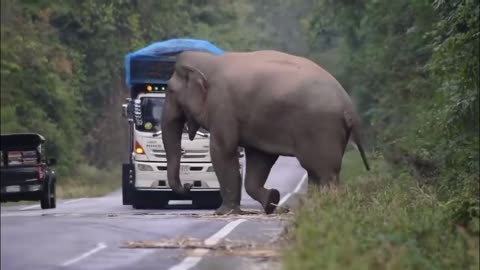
(258, 167)
(227, 168)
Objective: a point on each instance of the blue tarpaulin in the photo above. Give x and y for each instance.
(156, 58)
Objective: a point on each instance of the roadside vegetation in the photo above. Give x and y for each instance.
(89, 181)
(379, 220)
(411, 67)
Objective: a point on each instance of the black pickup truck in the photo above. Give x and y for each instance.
(24, 170)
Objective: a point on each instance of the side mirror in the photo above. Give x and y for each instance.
(51, 161)
(125, 110)
(241, 152)
(125, 107)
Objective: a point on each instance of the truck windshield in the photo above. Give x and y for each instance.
(151, 108)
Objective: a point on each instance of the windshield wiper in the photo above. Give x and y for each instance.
(158, 133)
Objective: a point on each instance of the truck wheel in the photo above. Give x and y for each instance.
(127, 189)
(53, 196)
(207, 200)
(137, 205)
(45, 201)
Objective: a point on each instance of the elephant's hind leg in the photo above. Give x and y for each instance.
(323, 165)
(323, 179)
(258, 167)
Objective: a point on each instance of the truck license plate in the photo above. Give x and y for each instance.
(184, 169)
(12, 189)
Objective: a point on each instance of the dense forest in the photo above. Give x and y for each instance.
(62, 62)
(411, 66)
(413, 69)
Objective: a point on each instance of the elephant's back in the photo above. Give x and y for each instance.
(258, 82)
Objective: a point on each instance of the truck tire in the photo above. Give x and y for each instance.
(45, 200)
(207, 200)
(53, 195)
(127, 187)
(139, 205)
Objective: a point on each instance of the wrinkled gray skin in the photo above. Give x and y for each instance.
(268, 102)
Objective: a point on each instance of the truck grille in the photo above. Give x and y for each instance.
(188, 153)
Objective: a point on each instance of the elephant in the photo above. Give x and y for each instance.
(268, 102)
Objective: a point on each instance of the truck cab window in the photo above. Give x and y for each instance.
(151, 109)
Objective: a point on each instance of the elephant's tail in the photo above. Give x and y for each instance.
(354, 124)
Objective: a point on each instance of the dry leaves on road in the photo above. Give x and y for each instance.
(223, 248)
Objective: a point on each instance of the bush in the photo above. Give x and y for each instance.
(378, 221)
(88, 181)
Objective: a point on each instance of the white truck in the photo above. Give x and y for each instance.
(144, 177)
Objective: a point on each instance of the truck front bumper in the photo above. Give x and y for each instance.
(153, 176)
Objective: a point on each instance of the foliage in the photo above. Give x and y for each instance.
(62, 65)
(411, 66)
(377, 221)
(88, 181)
(413, 69)
(38, 86)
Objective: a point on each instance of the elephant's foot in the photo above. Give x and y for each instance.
(228, 210)
(273, 197)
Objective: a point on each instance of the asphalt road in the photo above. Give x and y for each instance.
(93, 233)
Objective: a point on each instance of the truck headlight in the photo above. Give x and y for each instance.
(210, 169)
(143, 167)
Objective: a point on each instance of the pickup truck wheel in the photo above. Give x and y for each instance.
(53, 196)
(45, 201)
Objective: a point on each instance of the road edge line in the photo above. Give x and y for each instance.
(29, 207)
(73, 201)
(38, 205)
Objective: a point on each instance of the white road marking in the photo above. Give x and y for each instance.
(296, 190)
(38, 205)
(214, 239)
(99, 247)
(191, 261)
(299, 185)
(74, 201)
(30, 207)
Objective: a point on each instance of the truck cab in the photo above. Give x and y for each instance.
(145, 182)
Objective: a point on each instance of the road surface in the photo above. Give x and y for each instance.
(101, 233)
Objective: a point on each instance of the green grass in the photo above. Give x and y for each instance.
(377, 221)
(88, 181)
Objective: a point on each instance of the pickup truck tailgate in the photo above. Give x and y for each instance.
(18, 175)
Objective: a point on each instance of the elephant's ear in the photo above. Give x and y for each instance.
(197, 94)
(196, 77)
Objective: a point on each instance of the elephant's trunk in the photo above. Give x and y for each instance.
(172, 126)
